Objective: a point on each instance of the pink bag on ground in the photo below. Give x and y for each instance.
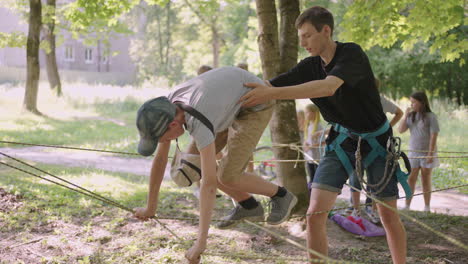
(358, 226)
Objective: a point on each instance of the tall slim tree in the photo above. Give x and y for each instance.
(32, 56)
(278, 54)
(51, 59)
(208, 12)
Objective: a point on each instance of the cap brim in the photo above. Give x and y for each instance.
(146, 147)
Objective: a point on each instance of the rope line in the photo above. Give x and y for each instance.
(254, 256)
(79, 189)
(123, 207)
(65, 147)
(293, 146)
(299, 144)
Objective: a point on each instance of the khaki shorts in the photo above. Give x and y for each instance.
(243, 136)
(239, 141)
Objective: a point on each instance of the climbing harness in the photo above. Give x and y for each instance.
(391, 155)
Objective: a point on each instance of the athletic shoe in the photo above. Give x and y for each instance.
(373, 215)
(356, 213)
(239, 213)
(281, 208)
(427, 208)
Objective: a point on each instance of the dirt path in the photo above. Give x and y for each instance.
(446, 202)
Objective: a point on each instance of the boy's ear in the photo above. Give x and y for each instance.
(326, 29)
(172, 124)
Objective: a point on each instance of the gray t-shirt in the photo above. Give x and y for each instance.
(215, 94)
(387, 105)
(421, 130)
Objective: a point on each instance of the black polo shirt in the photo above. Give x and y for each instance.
(355, 104)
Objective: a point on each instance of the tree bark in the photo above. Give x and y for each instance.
(32, 57)
(277, 56)
(215, 45)
(51, 59)
(286, 130)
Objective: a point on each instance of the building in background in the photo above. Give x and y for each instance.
(75, 60)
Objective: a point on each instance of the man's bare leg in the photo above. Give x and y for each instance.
(320, 200)
(396, 234)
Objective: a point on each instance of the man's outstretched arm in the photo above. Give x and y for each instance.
(207, 201)
(156, 176)
(313, 89)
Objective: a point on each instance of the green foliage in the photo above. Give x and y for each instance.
(171, 41)
(155, 49)
(90, 15)
(13, 40)
(403, 72)
(407, 22)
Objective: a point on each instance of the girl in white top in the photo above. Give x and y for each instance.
(424, 129)
(313, 132)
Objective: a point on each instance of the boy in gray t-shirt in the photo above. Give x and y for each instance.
(215, 95)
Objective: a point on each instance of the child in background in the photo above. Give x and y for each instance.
(300, 123)
(424, 129)
(313, 132)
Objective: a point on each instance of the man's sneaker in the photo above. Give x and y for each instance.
(373, 215)
(239, 213)
(356, 213)
(281, 208)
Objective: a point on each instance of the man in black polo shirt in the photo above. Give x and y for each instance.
(338, 78)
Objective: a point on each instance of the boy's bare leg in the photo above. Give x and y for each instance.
(251, 183)
(320, 200)
(356, 197)
(234, 194)
(396, 234)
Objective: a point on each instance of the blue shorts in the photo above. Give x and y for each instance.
(331, 175)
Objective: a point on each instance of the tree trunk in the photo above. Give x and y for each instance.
(268, 44)
(215, 44)
(283, 125)
(284, 128)
(51, 59)
(169, 35)
(32, 57)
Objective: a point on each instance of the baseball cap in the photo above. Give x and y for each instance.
(153, 117)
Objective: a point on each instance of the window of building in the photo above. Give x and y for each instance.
(104, 59)
(69, 53)
(88, 55)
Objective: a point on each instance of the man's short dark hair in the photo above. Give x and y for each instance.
(317, 16)
(203, 69)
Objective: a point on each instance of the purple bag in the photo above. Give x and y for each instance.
(371, 230)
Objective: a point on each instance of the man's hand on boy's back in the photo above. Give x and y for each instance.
(259, 94)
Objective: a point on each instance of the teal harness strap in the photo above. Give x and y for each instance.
(403, 180)
(336, 146)
(376, 150)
